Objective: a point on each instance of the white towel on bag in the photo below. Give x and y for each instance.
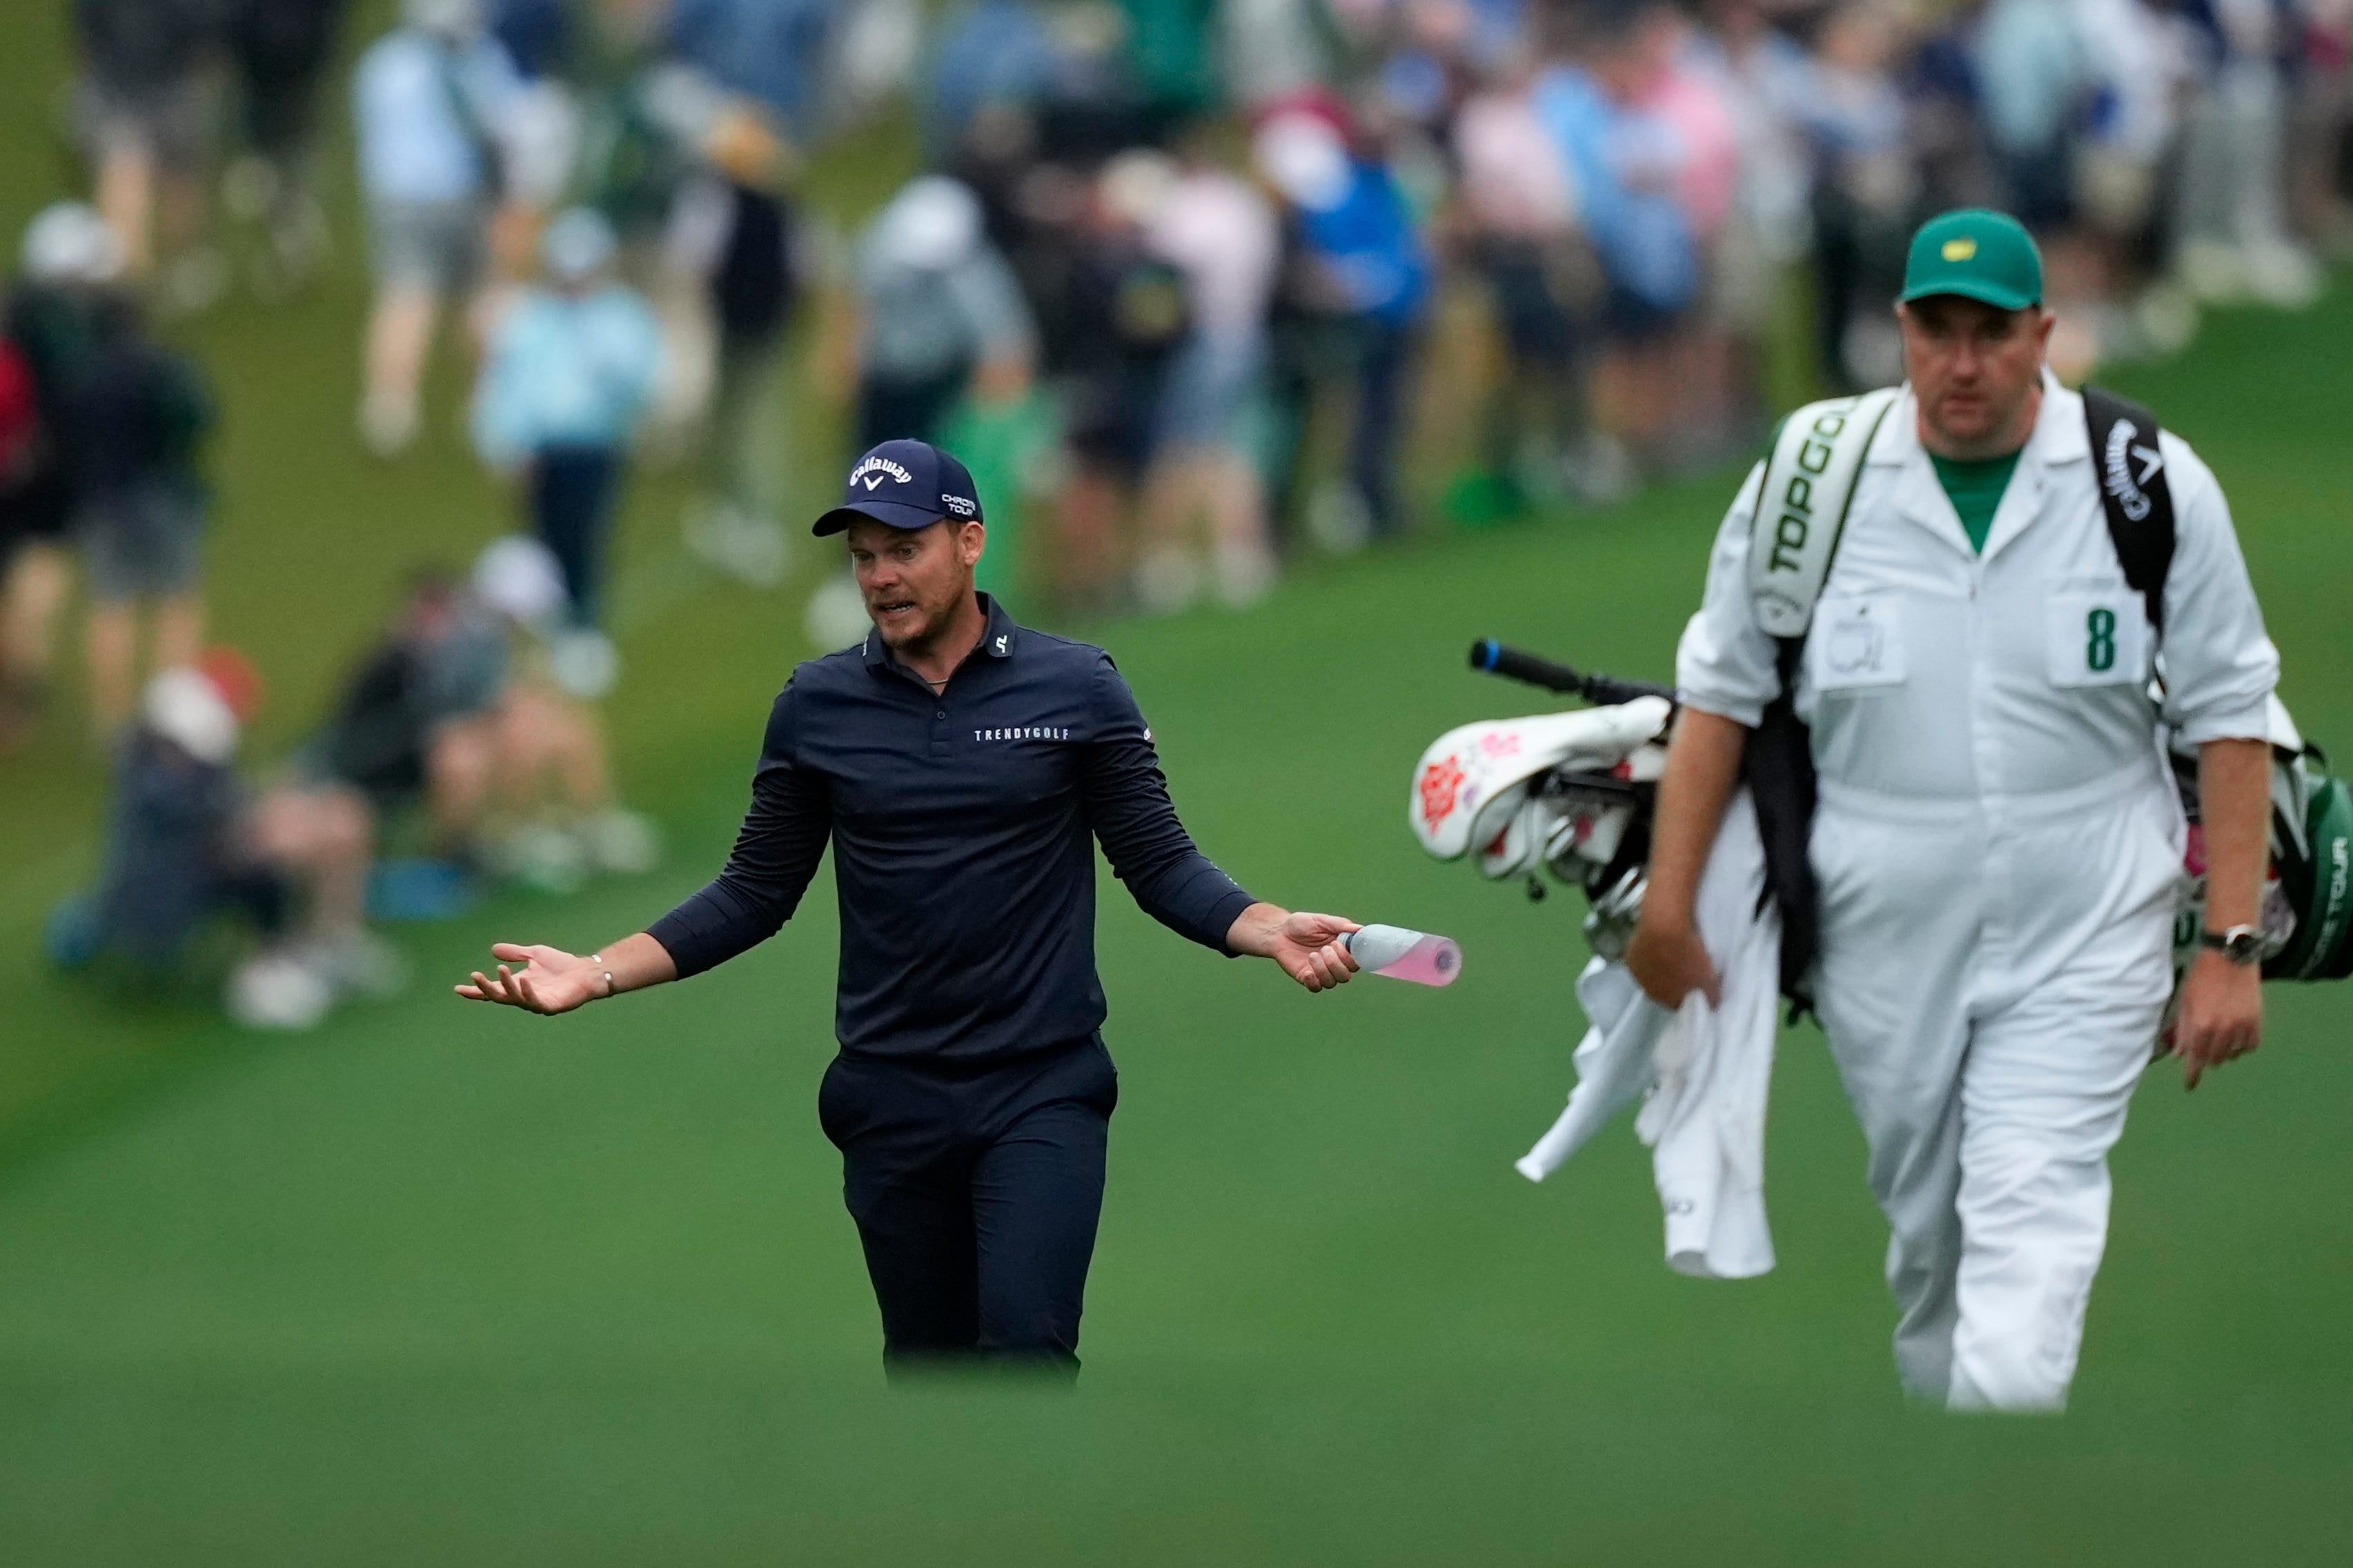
(1704, 1073)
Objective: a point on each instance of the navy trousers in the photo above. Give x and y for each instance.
(977, 1191)
(572, 489)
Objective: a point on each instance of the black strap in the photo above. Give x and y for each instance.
(2131, 467)
(1777, 766)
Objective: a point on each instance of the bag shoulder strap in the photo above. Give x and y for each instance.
(2134, 494)
(1809, 483)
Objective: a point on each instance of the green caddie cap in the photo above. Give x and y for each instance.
(1979, 255)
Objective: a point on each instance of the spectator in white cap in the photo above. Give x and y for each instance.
(187, 845)
(569, 377)
(939, 312)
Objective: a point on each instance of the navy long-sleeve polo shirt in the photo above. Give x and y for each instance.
(960, 824)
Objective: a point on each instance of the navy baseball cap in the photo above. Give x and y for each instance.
(907, 484)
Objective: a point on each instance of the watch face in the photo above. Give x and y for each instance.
(2240, 944)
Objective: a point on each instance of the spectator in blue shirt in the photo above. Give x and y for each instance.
(569, 374)
(431, 101)
(1349, 304)
(992, 56)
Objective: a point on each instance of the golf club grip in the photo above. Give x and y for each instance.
(1493, 657)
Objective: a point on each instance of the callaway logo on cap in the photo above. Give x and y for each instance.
(907, 484)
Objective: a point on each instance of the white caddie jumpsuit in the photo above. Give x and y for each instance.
(1999, 850)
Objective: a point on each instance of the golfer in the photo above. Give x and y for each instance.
(1997, 846)
(959, 763)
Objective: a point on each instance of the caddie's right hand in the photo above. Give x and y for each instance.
(1669, 962)
(553, 982)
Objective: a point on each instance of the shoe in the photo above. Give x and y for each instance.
(278, 991)
(751, 550)
(836, 615)
(2213, 270)
(621, 843)
(1599, 471)
(192, 284)
(387, 425)
(1339, 520)
(585, 663)
(2282, 274)
(248, 187)
(299, 242)
(543, 859)
(2166, 318)
(1168, 581)
(359, 963)
(1245, 575)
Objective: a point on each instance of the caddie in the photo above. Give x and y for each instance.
(1996, 847)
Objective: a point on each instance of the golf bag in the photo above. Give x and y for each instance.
(2307, 906)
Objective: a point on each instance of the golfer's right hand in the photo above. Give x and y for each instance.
(1669, 962)
(553, 982)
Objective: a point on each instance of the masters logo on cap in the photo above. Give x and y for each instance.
(1979, 255)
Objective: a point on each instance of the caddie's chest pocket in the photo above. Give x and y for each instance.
(1857, 644)
(2096, 636)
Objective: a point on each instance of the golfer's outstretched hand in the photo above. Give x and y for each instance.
(545, 979)
(1307, 946)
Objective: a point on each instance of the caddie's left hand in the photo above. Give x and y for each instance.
(1307, 946)
(2221, 1014)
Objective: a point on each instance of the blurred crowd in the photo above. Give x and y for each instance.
(1192, 285)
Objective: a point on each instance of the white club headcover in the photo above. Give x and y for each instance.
(1468, 786)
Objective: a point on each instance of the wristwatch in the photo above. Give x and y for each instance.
(2240, 944)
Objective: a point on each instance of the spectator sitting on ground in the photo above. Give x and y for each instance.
(567, 380)
(431, 99)
(132, 421)
(417, 722)
(553, 795)
(186, 845)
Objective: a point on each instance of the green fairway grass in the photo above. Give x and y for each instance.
(448, 1285)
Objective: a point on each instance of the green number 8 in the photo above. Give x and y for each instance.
(2100, 652)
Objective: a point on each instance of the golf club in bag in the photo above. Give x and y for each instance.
(1571, 793)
